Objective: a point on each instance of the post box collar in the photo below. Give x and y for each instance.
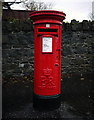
(47, 16)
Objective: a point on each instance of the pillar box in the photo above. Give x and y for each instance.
(47, 58)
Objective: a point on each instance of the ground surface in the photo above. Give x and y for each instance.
(27, 111)
(77, 99)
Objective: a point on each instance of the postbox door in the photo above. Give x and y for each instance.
(47, 75)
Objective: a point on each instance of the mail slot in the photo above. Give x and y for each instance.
(47, 30)
(47, 58)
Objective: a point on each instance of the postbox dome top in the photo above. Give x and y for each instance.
(47, 16)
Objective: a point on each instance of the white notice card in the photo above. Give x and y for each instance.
(47, 44)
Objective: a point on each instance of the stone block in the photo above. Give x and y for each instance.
(27, 26)
(92, 25)
(86, 25)
(67, 27)
(80, 26)
(5, 39)
(16, 25)
(74, 25)
(4, 26)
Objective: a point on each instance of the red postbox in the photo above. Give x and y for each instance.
(47, 58)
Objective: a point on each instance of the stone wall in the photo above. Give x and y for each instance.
(18, 47)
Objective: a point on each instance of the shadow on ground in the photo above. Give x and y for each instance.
(77, 98)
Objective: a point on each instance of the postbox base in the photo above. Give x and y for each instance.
(46, 103)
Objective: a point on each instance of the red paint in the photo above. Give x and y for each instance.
(47, 64)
